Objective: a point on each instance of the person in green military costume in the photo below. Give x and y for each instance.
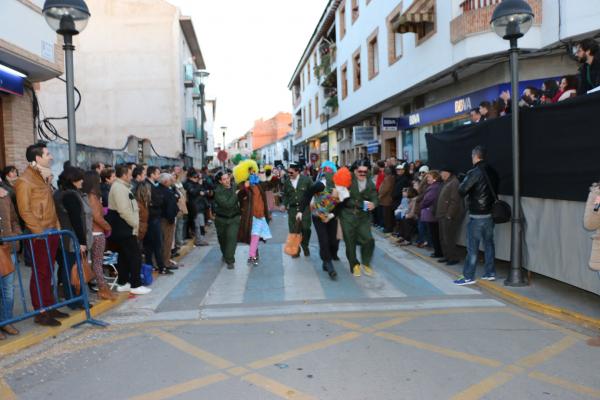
(294, 189)
(355, 218)
(227, 220)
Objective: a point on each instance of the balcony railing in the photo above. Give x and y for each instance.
(196, 89)
(188, 75)
(191, 127)
(469, 5)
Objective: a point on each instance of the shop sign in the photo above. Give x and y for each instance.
(373, 147)
(390, 124)
(10, 82)
(324, 146)
(362, 134)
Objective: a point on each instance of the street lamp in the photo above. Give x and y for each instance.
(202, 75)
(68, 18)
(327, 111)
(511, 20)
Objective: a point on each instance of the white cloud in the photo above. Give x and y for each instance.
(251, 49)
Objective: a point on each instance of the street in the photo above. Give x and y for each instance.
(283, 329)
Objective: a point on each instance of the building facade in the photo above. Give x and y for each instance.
(392, 71)
(139, 81)
(30, 52)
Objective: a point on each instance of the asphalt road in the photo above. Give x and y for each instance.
(285, 330)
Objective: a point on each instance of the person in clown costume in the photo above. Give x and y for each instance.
(254, 223)
(330, 189)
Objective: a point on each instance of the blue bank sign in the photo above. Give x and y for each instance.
(10, 82)
(457, 106)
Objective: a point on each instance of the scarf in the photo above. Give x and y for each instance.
(45, 172)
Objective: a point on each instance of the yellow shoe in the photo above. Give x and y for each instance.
(368, 270)
(356, 270)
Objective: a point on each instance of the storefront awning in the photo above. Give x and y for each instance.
(421, 12)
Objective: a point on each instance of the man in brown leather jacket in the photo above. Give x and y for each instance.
(36, 207)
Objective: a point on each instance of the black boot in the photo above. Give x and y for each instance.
(306, 251)
(330, 270)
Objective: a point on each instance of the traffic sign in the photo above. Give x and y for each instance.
(222, 155)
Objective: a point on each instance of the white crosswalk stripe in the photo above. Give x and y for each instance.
(300, 280)
(230, 285)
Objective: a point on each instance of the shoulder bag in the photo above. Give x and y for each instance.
(501, 211)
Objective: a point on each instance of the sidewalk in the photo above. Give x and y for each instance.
(32, 334)
(544, 295)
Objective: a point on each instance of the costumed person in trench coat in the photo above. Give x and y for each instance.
(323, 198)
(227, 220)
(356, 219)
(294, 190)
(254, 223)
(591, 221)
(450, 211)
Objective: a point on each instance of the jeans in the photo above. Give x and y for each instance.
(480, 230)
(199, 222)
(423, 230)
(7, 297)
(179, 230)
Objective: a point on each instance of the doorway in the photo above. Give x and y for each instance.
(391, 148)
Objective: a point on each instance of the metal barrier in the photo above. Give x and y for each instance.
(28, 244)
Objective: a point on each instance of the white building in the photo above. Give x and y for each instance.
(278, 152)
(30, 52)
(134, 66)
(378, 76)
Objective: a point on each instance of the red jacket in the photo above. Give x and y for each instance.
(379, 181)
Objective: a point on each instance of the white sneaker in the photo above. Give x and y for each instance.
(124, 288)
(141, 290)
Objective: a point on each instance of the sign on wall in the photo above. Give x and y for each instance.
(362, 135)
(390, 124)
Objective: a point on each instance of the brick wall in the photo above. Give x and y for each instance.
(17, 112)
(478, 21)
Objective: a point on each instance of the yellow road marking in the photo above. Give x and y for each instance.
(303, 350)
(390, 323)
(574, 387)
(440, 350)
(485, 386)
(276, 388)
(547, 352)
(237, 371)
(346, 324)
(549, 325)
(181, 388)
(6, 393)
(192, 350)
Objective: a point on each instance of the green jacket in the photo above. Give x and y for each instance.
(292, 197)
(226, 202)
(358, 198)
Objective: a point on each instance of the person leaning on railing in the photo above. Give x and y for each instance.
(9, 226)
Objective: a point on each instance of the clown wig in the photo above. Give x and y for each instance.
(343, 177)
(242, 171)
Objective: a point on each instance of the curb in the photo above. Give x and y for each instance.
(39, 335)
(523, 301)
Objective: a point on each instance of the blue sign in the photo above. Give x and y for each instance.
(389, 124)
(373, 147)
(461, 105)
(11, 83)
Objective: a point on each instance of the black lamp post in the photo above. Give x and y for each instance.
(68, 18)
(511, 20)
(224, 130)
(202, 75)
(327, 111)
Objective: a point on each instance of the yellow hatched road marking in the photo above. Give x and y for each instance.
(574, 387)
(6, 393)
(440, 350)
(485, 386)
(276, 388)
(303, 350)
(181, 388)
(547, 352)
(192, 350)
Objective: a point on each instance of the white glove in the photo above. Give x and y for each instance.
(330, 216)
(299, 216)
(343, 192)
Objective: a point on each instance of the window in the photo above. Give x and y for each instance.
(317, 107)
(344, 81)
(342, 19)
(309, 112)
(356, 69)
(304, 117)
(302, 81)
(315, 60)
(373, 54)
(394, 38)
(308, 71)
(355, 10)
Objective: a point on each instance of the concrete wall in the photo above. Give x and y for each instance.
(128, 69)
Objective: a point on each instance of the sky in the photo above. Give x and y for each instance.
(251, 49)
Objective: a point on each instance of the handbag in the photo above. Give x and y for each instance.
(501, 211)
(293, 241)
(88, 275)
(6, 264)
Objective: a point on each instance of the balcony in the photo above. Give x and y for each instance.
(188, 75)
(196, 89)
(476, 15)
(191, 127)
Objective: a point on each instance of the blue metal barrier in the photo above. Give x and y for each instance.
(71, 299)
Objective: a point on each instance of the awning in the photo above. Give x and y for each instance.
(419, 13)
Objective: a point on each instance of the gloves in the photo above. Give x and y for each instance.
(330, 216)
(343, 192)
(299, 216)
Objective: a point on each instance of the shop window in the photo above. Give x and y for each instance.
(394, 39)
(342, 19)
(356, 70)
(355, 10)
(373, 54)
(344, 81)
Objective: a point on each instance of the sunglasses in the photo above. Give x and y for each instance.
(363, 171)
